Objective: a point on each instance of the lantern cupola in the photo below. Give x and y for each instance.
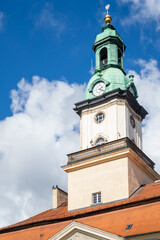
(109, 73)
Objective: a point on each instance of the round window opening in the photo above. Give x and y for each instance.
(132, 121)
(99, 141)
(99, 117)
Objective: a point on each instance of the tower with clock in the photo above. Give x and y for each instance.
(110, 165)
(112, 193)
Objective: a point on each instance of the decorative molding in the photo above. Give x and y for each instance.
(86, 230)
(99, 112)
(111, 151)
(120, 102)
(109, 40)
(95, 160)
(105, 98)
(107, 149)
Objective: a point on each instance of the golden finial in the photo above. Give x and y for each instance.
(107, 18)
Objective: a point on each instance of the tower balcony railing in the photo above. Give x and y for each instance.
(107, 148)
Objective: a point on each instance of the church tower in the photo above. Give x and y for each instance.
(110, 165)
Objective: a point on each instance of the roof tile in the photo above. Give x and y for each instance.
(101, 216)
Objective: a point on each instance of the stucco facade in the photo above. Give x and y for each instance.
(116, 173)
(116, 124)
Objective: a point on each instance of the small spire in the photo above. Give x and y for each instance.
(107, 18)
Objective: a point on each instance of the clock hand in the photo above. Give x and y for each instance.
(101, 88)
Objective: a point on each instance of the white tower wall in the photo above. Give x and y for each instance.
(116, 124)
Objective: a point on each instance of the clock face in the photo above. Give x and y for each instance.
(99, 88)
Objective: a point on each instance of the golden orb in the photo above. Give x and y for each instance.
(107, 19)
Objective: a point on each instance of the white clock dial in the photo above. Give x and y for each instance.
(99, 88)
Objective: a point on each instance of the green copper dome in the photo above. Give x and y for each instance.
(107, 32)
(109, 74)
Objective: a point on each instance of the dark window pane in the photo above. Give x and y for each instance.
(103, 57)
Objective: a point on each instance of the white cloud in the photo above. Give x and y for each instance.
(49, 18)
(92, 69)
(101, 12)
(143, 11)
(1, 20)
(148, 85)
(36, 138)
(33, 145)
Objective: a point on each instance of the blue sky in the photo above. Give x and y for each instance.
(53, 39)
(45, 62)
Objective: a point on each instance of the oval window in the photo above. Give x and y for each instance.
(99, 117)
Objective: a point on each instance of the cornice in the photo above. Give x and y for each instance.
(111, 156)
(105, 98)
(107, 149)
(110, 40)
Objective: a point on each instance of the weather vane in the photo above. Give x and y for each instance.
(107, 18)
(107, 7)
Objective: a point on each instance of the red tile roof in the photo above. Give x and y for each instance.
(112, 217)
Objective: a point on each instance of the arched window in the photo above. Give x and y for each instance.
(119, 58)
(99, 141)
(103, 57)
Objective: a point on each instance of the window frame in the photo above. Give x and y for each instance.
(99, 113)
(100, 54)
(99, 139)
(120, 58)
(98, 197)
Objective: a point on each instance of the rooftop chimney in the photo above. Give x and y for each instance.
(58, 197)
